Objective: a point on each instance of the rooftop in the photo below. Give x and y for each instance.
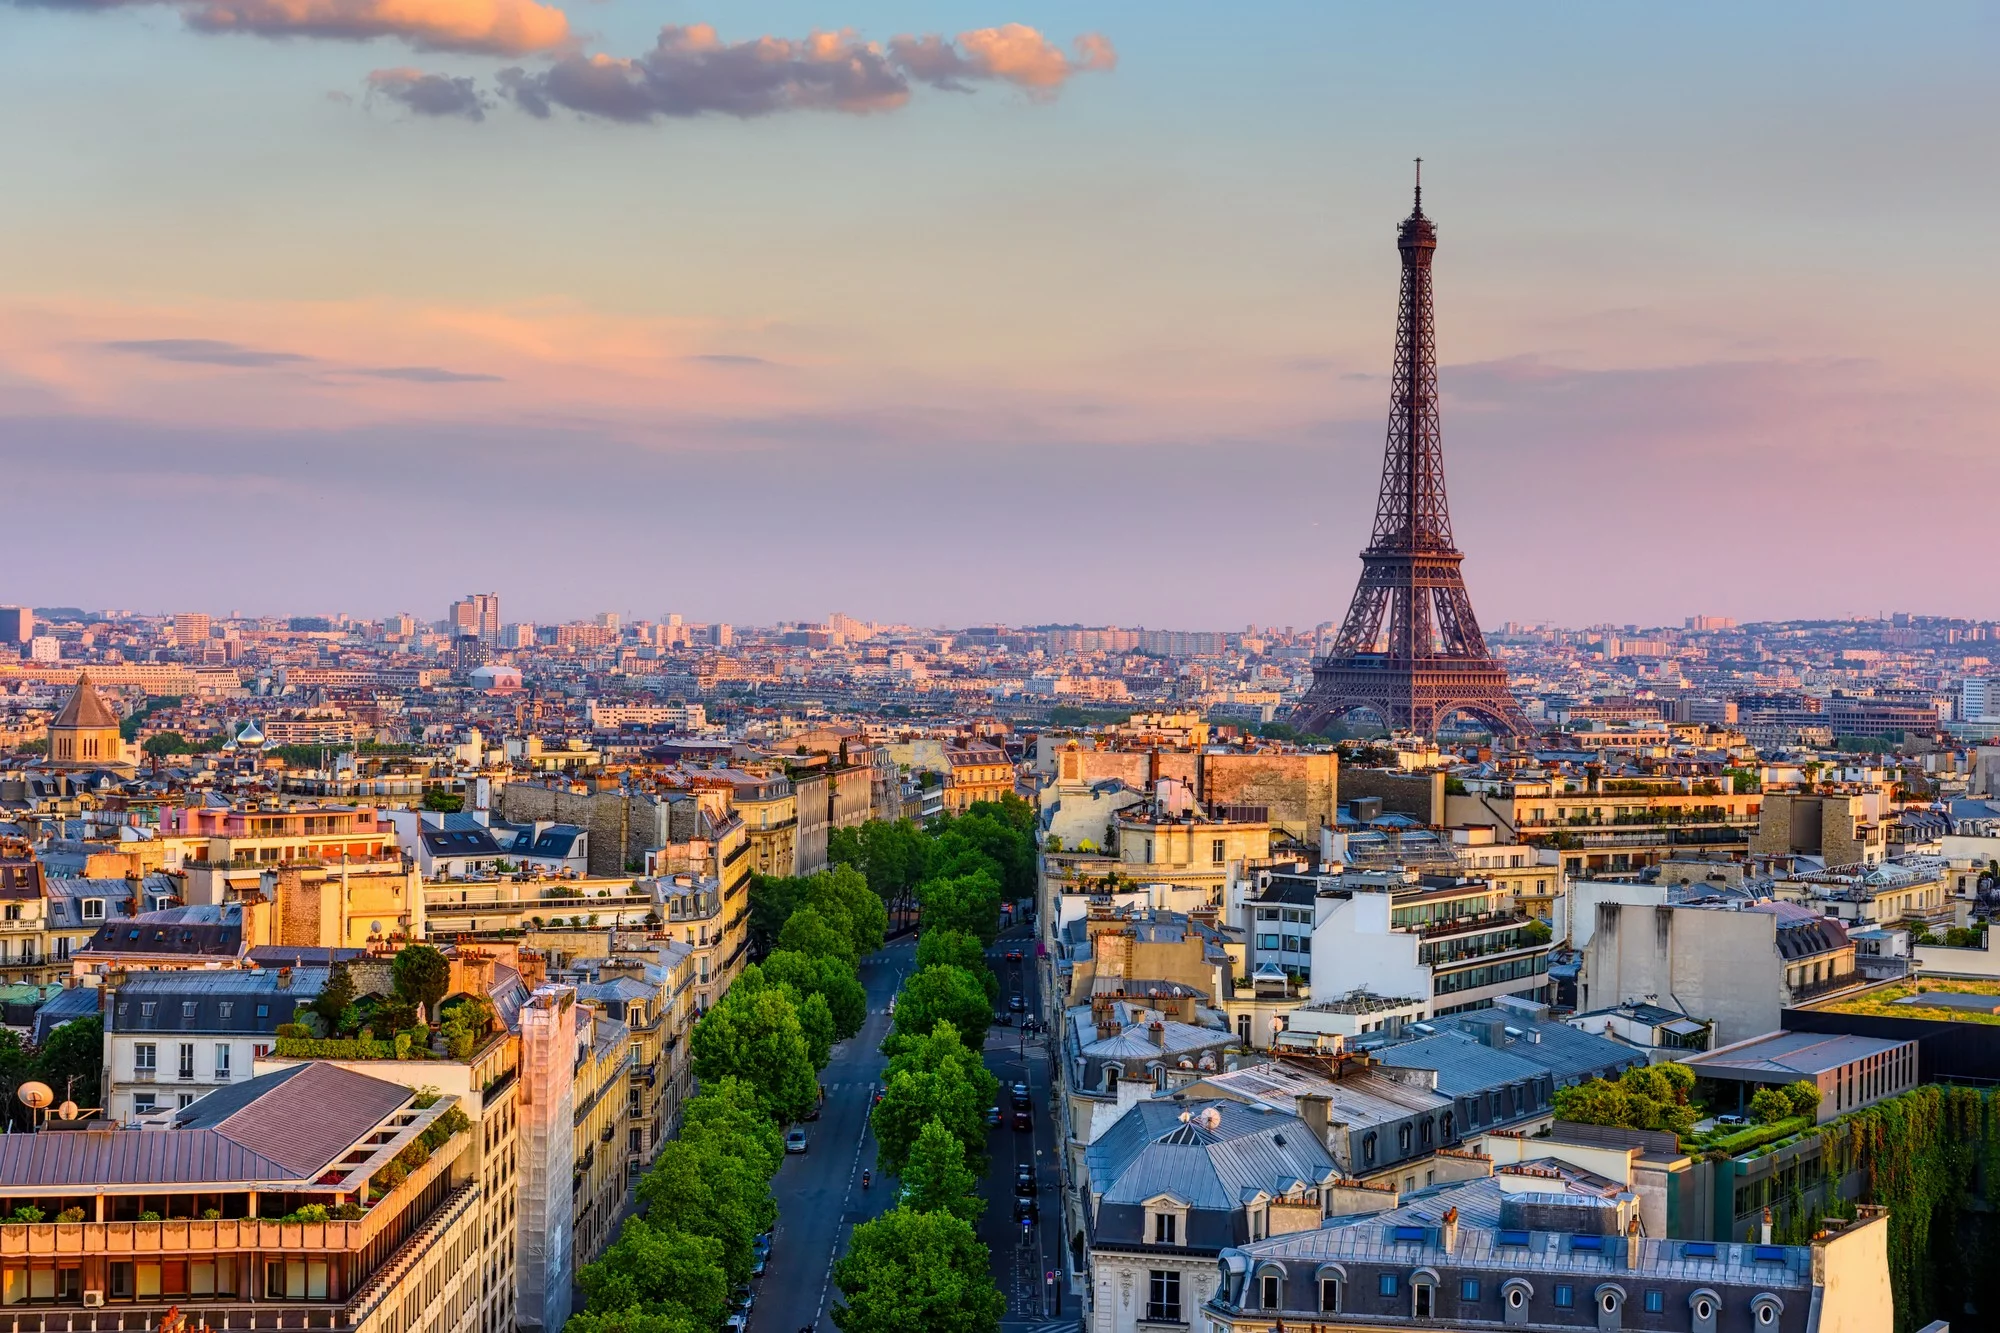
(1790, 1055)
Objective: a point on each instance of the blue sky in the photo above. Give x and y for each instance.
(1713, 275)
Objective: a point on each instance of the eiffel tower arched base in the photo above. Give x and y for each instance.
(1411, 695)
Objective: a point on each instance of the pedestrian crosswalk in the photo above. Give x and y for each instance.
(1040, 1326)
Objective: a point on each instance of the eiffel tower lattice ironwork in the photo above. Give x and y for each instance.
(1410, 650)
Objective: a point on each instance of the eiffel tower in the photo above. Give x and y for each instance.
(1410, 650)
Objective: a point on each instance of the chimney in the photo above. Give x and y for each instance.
(1632, 1243)
(1313, 1108)
(1158, 1032)
(1765, 1232)
(1448, 1233)
(284, 978)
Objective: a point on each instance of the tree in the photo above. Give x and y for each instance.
(773, 899)
(1594, 1102)
(728, 1115)
(706, 1189)
(816, 1022)
(1770, 1105)
(936, 1178)
(443, 802)
(1644, 1097)
(828, 977)
(843, 894)
(967, 902)
(660, 1269)
(163, 743)
(933, 1076)
(73, 1051)
(912, 1272)
(632, 1320)
(942, 993)
(958, 949)
(755, 1035)
(422, 975)
(334, 997)
(1804, 1097)
(811, 932)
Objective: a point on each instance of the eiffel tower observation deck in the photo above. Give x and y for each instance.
(1410, 652)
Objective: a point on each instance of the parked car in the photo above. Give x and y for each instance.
(993, 1117)
(1003, 1020)
(795, 1141)
(1731, 1121)
(1015, 1003)
(1023, 1121)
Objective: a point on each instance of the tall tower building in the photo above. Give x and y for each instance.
(1410, 651)
(477, 617)
(17, 624)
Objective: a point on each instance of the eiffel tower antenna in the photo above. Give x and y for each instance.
(1410, 650)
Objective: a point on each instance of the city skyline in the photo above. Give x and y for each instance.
(1135, 270)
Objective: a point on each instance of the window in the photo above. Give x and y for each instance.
(1656, 1302)
(1163, 1228)
(224, 1008)
(187, 1059)
(1215, 851)
(145, 1058)
(187, 1009)
(184, 1100)
(142, 1103)
(1388, 1285)
(146, 1008)
(221, 1061)
(1271, 1291)
(93, 909)
(1468, 1289)
(1329, 1295)
(1267, 941)
(1421, 1302)
(1767, 1314)
(1403, 1140)
(1368, 1149)
(1703, 1308)
(1163, 1296)
(1565, 1296)
(263, 1011)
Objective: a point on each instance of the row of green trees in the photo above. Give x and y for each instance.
(701, 1208)
(1661, 1097)
(774, 1028)
(921, 1266)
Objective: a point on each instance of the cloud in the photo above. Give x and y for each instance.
(203, 352)
(489, 27)
(726, 359)
(429, 94)
(427, 375)
(691, 72)
(1012, 53)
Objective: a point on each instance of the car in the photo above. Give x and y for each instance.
(1731, 1121)
(795, 1141)
(762, 1244)
(1023, 1121)
(736, 1323)
(1024, 1206)
(1015, 1003)
(993, 1117)
(758, 1262)
(1013, 955)
(742, 1299)
(1003, 1020)
(1019, 1092)
(1024, 1179)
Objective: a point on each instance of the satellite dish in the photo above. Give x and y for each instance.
(35, 1096)
(67, 1111)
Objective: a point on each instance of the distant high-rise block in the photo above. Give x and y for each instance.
(17, 624)
(190, 628)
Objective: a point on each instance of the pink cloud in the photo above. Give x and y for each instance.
(488, 27)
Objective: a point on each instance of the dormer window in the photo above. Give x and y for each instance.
(93, 909)
(1166, 1227)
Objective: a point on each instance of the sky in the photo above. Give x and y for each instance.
(991, 310)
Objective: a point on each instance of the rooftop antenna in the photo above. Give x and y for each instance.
(1420, 187)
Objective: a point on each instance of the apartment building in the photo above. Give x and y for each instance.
(1614, 824)
(653, 995)
(312, 1195)
(601, 1124)
(1543, 1244)
(1458, 942)
(171, 1038)
(1842, 828)
(974, 773)
(769, 810)
(260, 834)
(1737, 966)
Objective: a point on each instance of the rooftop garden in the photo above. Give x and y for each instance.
(415, 1021)
(1885, 1001)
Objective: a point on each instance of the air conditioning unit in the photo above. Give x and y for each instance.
(93, 1298)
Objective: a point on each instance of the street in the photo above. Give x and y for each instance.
(819, 1192)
